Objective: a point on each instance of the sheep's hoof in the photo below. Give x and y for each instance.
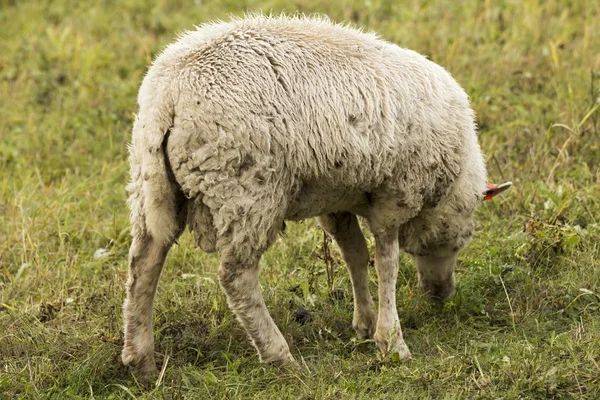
(143, 368)
(280, 360)
(392, 344)
(291, 367)
(278, 353)
(401, 352)
(364, 322)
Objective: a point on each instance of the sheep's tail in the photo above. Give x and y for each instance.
(152, 199)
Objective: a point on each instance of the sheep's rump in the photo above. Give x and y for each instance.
(299, 117)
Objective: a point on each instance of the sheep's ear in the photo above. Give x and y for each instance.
(493, 189)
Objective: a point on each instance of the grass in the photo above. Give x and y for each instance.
(524, 323)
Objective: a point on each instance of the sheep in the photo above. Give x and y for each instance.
(245, 124)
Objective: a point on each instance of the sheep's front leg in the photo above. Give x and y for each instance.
(241, 285)
(388, 334)
(347, 234)
(146, 259)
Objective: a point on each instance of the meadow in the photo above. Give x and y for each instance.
(524, 323)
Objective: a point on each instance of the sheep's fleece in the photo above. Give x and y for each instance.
(247, 123)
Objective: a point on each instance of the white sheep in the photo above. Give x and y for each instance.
(245, 124)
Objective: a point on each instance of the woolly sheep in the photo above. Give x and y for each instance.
(246, 124)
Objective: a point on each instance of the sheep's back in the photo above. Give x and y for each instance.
(325, 103)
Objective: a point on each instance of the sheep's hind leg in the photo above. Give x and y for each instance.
(347, 234)
(388, 334)
(146, 260)
(240, 283)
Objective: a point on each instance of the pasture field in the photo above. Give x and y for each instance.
(525, 322)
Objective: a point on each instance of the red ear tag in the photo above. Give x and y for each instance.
(489, 193)
(493, 189)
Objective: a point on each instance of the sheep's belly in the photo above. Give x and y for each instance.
(315, 200)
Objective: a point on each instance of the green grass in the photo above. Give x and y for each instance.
(524, 323)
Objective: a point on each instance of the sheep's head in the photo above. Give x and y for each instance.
(436, 235)
(436, 275)
(434, 252)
